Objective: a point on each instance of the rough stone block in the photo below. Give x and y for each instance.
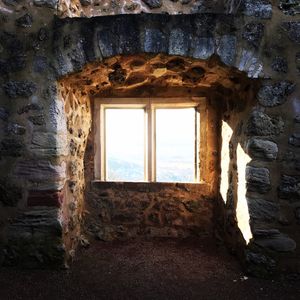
(249, 62)
(202, 47)
(253, 33)
(49, 144)
(11, 147)
(155, 41)
(46, 3)
(295, 139)
(35, 240)
(9, 193)
(289, 188)
(16, 129)
(40, 170)
(279, 64)
(261, 124)
(24, 21)
(4, 113)
(15, 89)
(262, 210)
(262, 149)
(226, 49)
(45, 198)
(274, 94)
(259, 264)
(290, 7)
(292, 29)
(153, 3)
(258, 8)
(107, 43)
(275, 241)
(38, 120)
(258, 179)
(179, 42)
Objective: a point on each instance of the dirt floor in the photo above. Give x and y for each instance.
(160, 269)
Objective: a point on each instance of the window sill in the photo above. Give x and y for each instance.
(151, 186)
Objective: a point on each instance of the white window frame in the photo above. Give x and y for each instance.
(149, 105)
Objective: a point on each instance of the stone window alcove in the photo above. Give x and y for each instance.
(122, 210)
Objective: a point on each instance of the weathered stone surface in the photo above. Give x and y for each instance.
(263, 125)
(179, 42)
(275, 241)
(13, 63)
(289, 188)
(153, 3)
(258, 8)
(226, 49)
(35, 239)
(40, 64)
(118, 38)
(291, 160)
(258, 179)
(295, 139)
(11, 147)
(45, 198)
(40, 170)
(155, 41)
(38, 120)
(9, 194)
(25, 21)
(154, 209)
(290, 7)
(202, 47)
(12, 2)
(205, 25)
(279, 64)
(297, 61)
(259, 264)
(15, 128)
(293, 30)
(262, 149)
(47, 3)
(29, 107)
(13, 45)
(43, 34)
(85, 2)
(262, 210)
(253, 33)
(15, 89)
(273, 94)
(3, 114)
(49, 144)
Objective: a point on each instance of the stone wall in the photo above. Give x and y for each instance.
(39, 201)
(130, 210)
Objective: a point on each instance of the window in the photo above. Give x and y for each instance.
(148, 139)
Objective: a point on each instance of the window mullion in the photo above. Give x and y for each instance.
(153, 142)
(103, 143)
(149, 165)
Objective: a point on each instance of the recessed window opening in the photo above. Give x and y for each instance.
(154, 140)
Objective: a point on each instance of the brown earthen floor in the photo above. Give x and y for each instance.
(157, 269)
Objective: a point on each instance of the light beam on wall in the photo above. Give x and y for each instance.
(225, 159)
(242, 212)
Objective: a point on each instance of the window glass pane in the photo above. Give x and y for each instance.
(175, 145)
(125, 144)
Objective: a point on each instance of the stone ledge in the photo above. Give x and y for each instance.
(150, 186)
